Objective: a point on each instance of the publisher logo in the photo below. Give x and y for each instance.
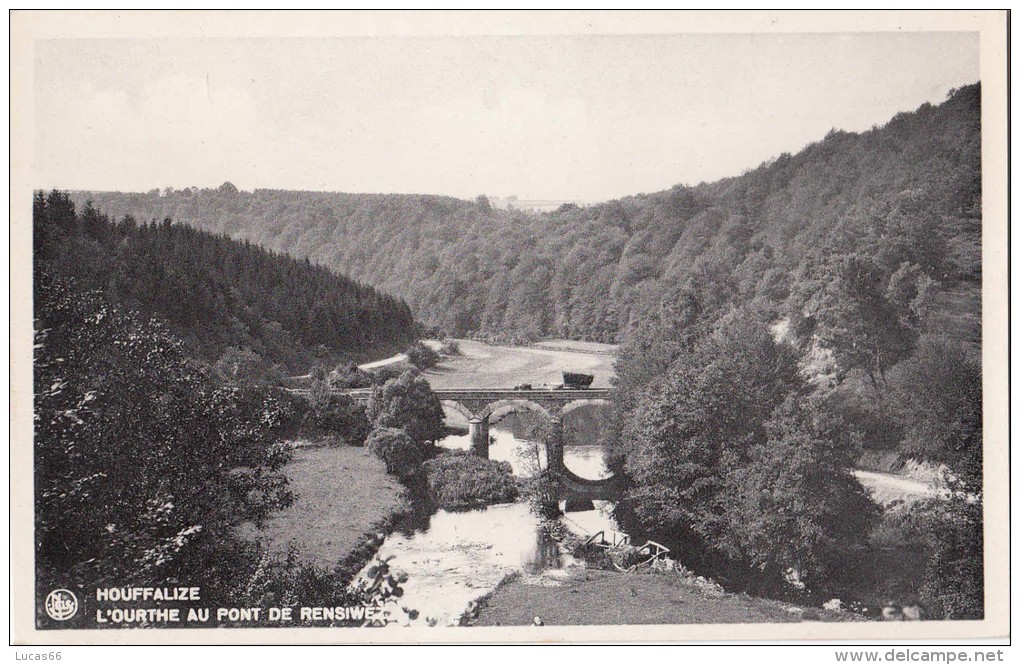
(61, 604)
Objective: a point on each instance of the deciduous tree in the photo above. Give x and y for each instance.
(408, 403)
(143, 466)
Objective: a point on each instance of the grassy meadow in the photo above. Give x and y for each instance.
(343, 493)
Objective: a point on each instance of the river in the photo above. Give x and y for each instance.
(455, 558)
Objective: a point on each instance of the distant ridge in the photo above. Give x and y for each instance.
(597, 272)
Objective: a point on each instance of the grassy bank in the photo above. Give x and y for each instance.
(343, 495)
(598, 597)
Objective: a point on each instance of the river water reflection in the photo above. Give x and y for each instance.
(523, 455)
(455, 558)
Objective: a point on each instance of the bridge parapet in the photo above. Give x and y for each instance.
(562, 395)
(481, 402)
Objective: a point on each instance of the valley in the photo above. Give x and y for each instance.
(254, 347)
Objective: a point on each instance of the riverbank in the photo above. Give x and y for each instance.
(344, 496)
(601, 598)
(659, 594)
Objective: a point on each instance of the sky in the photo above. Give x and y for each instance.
(542, 117)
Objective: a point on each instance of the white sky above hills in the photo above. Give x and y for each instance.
(576, 117)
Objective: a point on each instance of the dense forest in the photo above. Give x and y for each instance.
(218, 295)
(598, 272)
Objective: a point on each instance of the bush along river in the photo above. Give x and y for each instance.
(454, 558)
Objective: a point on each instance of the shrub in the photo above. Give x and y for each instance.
(244, 367)
(408, 403)
(461, 480)
(348, 375)
(332, 413)
(402, 454)
(953, 585)
(422, 356)
(338, 414)
(294, 410)
(272, 581)
(379, 377)
(451, 347)
(627, 555)
(542, 493)
(317, 374)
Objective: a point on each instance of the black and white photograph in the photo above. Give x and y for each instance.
(509, 327)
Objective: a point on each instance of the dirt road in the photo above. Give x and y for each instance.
(886, 488)
(399, 358)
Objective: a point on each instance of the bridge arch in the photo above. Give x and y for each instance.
(505, 406)
(576, 487)
(578, 403)
(458, 407)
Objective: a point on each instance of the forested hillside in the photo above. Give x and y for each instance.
(911, 189)
(774, 326)
(217, 294)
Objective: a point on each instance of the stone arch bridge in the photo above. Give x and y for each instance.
(479, 405)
